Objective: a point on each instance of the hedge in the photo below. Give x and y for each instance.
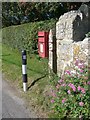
(25, 36)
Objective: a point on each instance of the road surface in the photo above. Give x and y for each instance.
(13, 106)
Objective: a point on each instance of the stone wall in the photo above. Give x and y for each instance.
(67, 53)
(72, 26)
(70, 38)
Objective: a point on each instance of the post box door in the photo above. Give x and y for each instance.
(41, 39)
(41, 49)
(41, 46)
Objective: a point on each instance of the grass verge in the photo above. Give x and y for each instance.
(0, 56)
(38, 81)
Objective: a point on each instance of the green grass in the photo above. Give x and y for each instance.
(37, 68)
(0, 56)
(13, 58)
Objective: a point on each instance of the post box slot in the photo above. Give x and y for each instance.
(41, 33)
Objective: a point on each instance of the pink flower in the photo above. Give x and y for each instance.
(69, 92)
(74, 89)
(68, 72)
(52, 101)
(83, 90)
(63, 84)
(81, 71)
(81, 103)
(79, 88)
(72, 86)
(77, 62)
(80, 65)
(63, 101)
(88, 82)
(60, 81)
(57, 86)
(53, 94)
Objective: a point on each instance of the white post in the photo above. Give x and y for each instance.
(24, 72)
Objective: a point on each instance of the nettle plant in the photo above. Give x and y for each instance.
(70, 96)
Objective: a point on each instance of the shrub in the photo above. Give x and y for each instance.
(88, 34)
(70, 96)
(25, 36)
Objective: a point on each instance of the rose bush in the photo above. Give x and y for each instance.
(70, 95)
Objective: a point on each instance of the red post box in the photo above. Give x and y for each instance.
(43, 44)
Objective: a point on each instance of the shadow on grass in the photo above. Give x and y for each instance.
(11, 62)
(6, 54)
(33, 83)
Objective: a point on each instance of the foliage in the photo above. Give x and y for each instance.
(70, 95)
(88, 34)
(16, 13)
(10, 14)
(26, 35)
(42, 11)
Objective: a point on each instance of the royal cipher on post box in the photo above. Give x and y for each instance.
(43, 44)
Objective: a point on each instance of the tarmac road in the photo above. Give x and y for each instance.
(13, 106)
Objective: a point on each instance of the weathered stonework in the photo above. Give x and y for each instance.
(68, 53)
(70, 38)
(72, 26)
(52, 51)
